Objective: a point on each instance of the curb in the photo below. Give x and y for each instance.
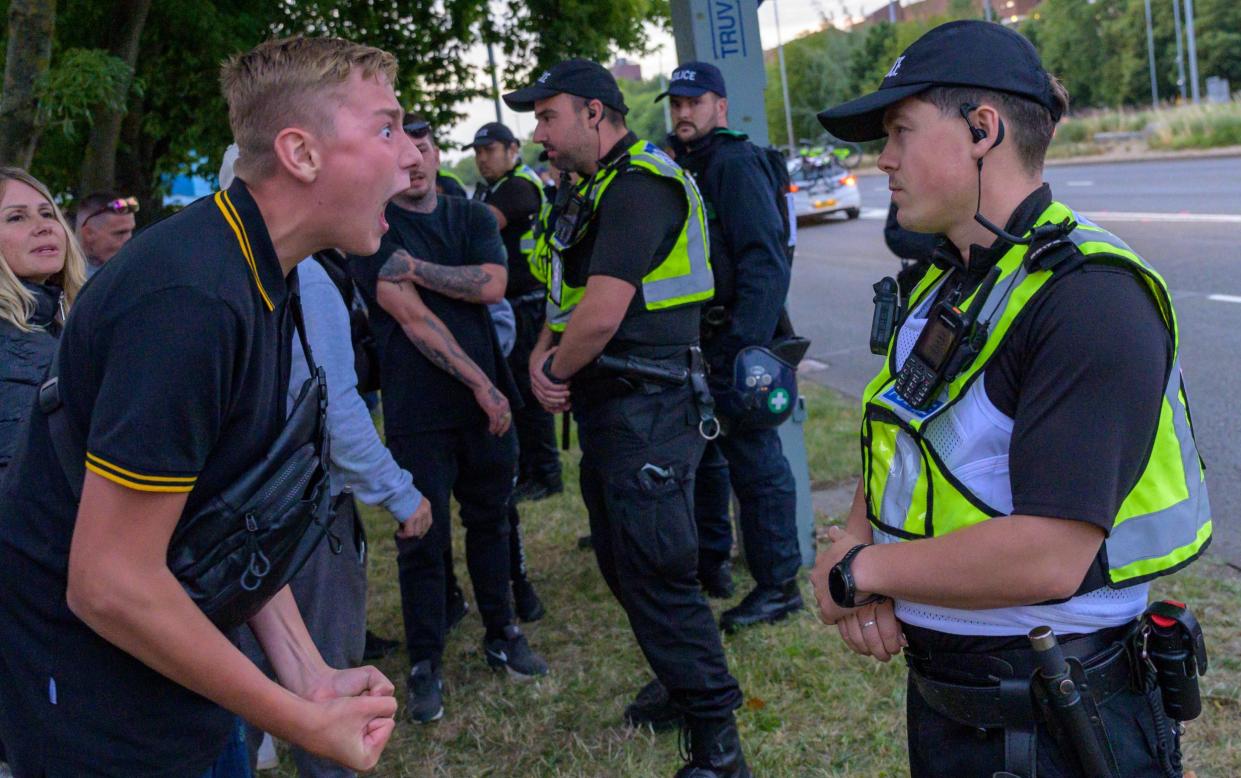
(1105, 159)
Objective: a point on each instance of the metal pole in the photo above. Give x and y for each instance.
(1180, 50)
(1193, 50)
(892, 11)
(663, 87)
(784, 78)
(1150, 56)
(986, 10)
(495, 81)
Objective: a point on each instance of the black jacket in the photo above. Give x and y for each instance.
(748, 255)
(24, 360)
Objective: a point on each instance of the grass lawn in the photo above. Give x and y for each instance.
(811, 707)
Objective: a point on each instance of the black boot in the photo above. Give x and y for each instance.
(764, 605)
(717, 579)
(653, 707)
(714, 750)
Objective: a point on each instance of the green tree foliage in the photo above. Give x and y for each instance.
(177, 122)
(83, 81)
(646, 117)
(819, 70)
(1099, 49)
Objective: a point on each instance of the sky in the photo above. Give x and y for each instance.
(796, 18)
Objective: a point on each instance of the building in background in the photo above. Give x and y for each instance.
(626, 69)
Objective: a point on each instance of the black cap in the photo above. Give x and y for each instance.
(693, 79)
(967, 53)
(492, 132)
(579, 77)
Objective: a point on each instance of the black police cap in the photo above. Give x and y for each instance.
(693, 79)
(492, 132)
(966, 53)
(578, 77)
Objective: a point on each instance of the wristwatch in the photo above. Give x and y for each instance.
(840, 583)
(547, 371)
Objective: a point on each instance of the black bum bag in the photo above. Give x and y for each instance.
(241, 548)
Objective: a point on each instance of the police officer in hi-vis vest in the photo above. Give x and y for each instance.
(625, 258)
(1028, 464)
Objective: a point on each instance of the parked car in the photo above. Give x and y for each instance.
(819, 190)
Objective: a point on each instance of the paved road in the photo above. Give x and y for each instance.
(1182, 216)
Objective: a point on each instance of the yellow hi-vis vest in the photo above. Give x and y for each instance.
(682, 278)
(526, 244)
(928, 473)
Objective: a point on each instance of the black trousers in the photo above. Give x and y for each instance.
(639, 455)
(539, 459)
(476, 467)
(752, 462)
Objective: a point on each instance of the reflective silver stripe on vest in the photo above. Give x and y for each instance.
(1135, 539)
(700, 279)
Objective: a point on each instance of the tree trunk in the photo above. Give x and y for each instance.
(31, 23)
(99, 162)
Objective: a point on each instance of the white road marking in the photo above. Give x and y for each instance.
(1142, 216)
(1079, 183)
(1120, 216)
(812, 364)
(1224, 298)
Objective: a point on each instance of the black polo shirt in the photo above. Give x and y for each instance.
(174, 368)
(419, 396)
(634, 228)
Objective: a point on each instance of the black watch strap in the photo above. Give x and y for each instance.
(842, 584)
(547, 371)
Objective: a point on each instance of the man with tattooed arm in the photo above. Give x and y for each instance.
(439, 267)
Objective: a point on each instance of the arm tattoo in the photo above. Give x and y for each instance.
(463, 283)
(398, 267)
(444, 352)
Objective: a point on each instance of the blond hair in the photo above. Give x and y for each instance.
(290, 83)
(17, 304)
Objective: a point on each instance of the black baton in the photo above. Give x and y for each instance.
(1066, 707)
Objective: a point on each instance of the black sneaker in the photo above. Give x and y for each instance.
(455, 608)
(526, 602)
(717, 579)
(377, 647)
(653, 708)
(513, 653)
(424, 694)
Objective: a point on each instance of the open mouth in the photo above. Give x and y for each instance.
(46, 251)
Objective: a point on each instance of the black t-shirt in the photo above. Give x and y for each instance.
(418, 396)
(1082, 374)
(519, 201)
(638, 221)
(174, 369)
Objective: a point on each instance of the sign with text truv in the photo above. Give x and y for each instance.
(725, 33)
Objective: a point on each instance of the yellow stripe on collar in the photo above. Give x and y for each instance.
(231, 216)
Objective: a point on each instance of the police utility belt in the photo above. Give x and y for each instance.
(1061, 686)
(611, 376)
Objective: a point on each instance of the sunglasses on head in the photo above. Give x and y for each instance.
(418, 130)
(119, 205)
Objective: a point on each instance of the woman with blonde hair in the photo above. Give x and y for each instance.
(41, 271)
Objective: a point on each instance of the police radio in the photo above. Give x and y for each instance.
(949, 342)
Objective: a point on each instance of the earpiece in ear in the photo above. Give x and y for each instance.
(977, 133)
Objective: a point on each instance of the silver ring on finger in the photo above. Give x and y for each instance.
(866, 624)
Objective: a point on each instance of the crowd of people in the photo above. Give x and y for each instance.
(145, 376)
